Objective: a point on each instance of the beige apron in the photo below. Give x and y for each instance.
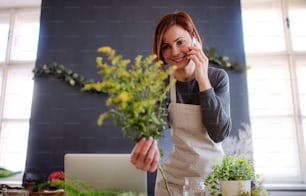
(193, 152)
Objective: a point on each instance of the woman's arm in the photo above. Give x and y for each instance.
(215, 105)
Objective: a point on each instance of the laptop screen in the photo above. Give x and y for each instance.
(106, 171)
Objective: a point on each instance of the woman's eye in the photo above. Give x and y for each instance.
(181, 42)
(165, 47)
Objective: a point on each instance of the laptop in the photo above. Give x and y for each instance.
(106, 171)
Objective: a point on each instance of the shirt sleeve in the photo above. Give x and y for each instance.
(215, 106)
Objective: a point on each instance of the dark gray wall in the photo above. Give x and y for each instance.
(63, 118)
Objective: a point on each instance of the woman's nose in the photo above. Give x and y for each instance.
(175, 50)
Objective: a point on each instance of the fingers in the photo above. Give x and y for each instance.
(145, 155)
(198, 56)
(141, 150)
(154, 162)
(137, 150)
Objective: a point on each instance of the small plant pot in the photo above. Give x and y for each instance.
(235, 187)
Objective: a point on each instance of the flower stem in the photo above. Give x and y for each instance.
(160, 168)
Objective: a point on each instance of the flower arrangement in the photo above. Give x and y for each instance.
(136, 93)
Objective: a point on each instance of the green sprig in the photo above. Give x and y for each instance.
(224, 61)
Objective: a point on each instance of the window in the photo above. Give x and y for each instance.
(4, 29)
(19, 30)
(275, 46)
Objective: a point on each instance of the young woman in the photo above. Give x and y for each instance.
(199, 107)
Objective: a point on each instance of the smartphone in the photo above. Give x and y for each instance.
(195, 42)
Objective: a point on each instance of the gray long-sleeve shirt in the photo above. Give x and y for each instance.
(214, 102)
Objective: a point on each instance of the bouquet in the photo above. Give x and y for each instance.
(136, 93)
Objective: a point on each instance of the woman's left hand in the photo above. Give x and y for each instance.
(201, 61)
(145, 155)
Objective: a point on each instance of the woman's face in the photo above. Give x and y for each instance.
(176, 43)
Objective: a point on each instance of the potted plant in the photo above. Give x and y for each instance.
(234, 176)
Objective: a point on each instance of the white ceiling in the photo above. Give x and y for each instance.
(19, 3)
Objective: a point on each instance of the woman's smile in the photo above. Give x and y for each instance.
(179, 60)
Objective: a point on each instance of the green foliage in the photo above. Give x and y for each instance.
(4, 173)
(224, 61)
(136, 93)
(50, 185)
(75, 187)
(233, 168)
(258, 189)
(61, 72)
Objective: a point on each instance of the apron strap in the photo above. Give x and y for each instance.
(172, 91)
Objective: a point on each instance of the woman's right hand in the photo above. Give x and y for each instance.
(145, 154)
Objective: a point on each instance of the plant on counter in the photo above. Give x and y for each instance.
(56, 180)
(60, 184)
(76, 187)
(234, 168)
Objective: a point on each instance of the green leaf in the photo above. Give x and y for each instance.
(4, 173)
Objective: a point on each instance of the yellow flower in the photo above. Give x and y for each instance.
(125, 61)
(124, 96)
(99, 60)
(104, 49)
(109, 101)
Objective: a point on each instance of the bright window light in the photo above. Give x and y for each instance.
(298, 29)
(17, 59)
(276, 87)
(263, 31)
(4, 32)
(19, 92)
(13, 145)
(25, 37)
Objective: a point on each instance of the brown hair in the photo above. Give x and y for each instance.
(177, 18)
